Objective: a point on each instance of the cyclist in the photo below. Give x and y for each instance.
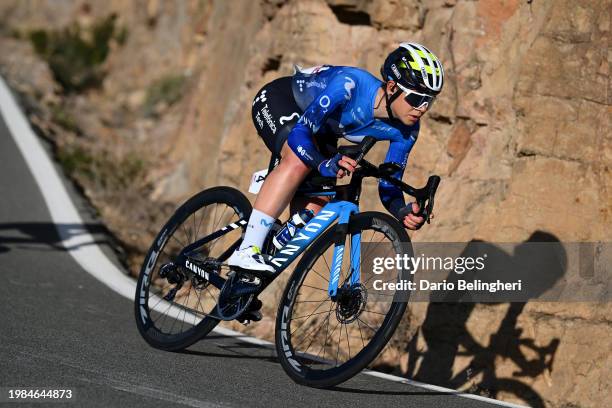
(300, 119)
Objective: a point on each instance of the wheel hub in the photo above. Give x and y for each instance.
(351, 303)
(172, 273)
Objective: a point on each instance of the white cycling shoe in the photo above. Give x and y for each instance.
(250, 259)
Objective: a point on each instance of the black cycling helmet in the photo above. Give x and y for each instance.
(414, 67)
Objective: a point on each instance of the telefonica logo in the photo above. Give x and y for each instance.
(268, 117)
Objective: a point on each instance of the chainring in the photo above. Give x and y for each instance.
(230, 306)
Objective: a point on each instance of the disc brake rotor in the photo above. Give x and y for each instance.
(351, 303)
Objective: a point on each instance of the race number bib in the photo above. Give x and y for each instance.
(257, 180)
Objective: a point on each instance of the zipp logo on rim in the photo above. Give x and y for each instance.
(162, 239)
(142, 298)
(285, 341)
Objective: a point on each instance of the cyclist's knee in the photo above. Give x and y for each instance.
(291, 162)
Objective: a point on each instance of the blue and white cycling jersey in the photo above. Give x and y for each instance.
(339, 101)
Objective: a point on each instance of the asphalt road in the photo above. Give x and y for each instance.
(61, 328)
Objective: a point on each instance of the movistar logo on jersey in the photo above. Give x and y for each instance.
(284, 119)
(284, 341)
(348, 85)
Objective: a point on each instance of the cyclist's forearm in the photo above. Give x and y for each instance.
(391, 197)
(301, 143)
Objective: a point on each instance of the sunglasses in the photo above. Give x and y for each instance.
(417, 100)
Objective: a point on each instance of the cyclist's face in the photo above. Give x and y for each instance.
(402, 110)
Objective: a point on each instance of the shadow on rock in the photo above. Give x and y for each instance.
(447, 337)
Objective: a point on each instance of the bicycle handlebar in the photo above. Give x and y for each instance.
(424, 196)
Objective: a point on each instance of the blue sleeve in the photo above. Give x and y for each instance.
(333, 97)
(391, 196)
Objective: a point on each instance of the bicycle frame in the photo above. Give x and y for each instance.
(335, 210)
(332, 211)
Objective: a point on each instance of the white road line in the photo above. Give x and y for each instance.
(389, 377)
(88, 255)
(63, 212)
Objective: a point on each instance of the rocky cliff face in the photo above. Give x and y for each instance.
(520, 135)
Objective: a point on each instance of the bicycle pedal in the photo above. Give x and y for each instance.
(249, 317)
(250, 281)
(263, 275)
(245, 285)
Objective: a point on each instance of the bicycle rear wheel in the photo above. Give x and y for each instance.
(173, 303)
(322, 342)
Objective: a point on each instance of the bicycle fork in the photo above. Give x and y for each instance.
(355, 262)
(332, 211)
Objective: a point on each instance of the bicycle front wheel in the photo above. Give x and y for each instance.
(321, 341)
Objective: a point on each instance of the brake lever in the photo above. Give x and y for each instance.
(423, 210)
(433, 183)
(367, 143)
(426, 205)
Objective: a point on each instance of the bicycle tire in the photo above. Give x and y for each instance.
(145, 322)
(287, 355)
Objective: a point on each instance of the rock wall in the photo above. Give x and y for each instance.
(520, 135)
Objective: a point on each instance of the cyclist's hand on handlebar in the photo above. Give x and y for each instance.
(410, 219)
(347, 166)
(338, 166)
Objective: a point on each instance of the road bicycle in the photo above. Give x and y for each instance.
(331, 321)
